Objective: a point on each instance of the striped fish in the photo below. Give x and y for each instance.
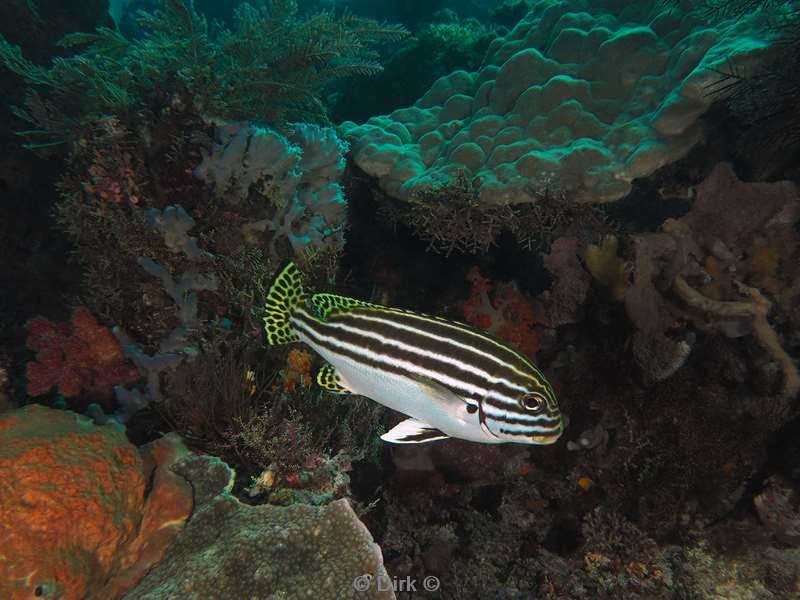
(451, 380)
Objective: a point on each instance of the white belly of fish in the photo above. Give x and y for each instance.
(407, 396)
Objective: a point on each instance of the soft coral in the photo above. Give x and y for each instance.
(509, 314)
(77, 355)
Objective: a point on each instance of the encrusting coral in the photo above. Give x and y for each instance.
(231, 550)
(719, 230)
(83, 512)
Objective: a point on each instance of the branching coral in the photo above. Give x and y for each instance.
(755, 309)
(710, 246)
(294, 179)
(175, 348)
(271, 66)
(607, 267)
(75, 357)
(174, 224)
(451, 217)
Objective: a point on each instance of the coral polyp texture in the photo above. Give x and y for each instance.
(589, 94)
(83, 513)
(232, 550)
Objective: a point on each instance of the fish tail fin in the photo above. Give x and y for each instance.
(284, 295)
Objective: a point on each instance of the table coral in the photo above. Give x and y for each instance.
(232, 550)
(83, 514)
(594, 94)
(80, 355)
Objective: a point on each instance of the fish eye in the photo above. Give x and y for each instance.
(472, 408)
(533, 403)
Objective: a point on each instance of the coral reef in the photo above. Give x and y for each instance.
(299, 175)
(563, 302)
(434, 49)
(221, 73)
(591, 93)
(80, 356)
(83, 512)
(726, 219)
(508, 314)
(232, 550)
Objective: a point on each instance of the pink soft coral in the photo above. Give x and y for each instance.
(78, 355)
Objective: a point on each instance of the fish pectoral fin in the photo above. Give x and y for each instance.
(412, 431)
(434, 389)
(329, 380)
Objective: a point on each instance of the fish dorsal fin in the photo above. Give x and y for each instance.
(325, 304)
(328, 379)
(412, 431)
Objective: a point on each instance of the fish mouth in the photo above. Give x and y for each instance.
(546, 440)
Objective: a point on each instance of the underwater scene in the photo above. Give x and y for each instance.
(400, 299)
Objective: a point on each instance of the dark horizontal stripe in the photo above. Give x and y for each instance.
(392, 352)
(424, 436)
(547, 424)
(307, 329)
(507, 359)
(532, 432)
(511, 362)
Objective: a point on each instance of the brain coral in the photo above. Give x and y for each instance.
(590, 94)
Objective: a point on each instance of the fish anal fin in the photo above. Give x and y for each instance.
(329, 380)
(325, 304)
(412, 431)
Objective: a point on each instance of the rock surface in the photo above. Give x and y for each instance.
(232, 550)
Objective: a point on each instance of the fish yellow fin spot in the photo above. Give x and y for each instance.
(329, 380)
(325, 304)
